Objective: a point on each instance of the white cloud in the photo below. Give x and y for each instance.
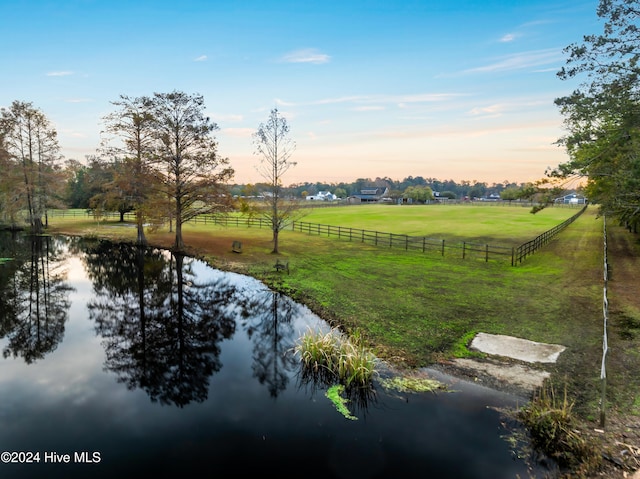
(488, 110)
(201, 58)
(401, 101)
(238, 132)
(520, 61)
(59, 74)
(369, 108)
(234, 118)
(308, 55)
(509, 37)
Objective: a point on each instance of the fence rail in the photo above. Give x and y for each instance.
(423, 244)
(530, 247)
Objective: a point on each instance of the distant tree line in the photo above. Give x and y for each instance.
(417, 188)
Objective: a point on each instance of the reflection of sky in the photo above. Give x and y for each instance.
(66, 402)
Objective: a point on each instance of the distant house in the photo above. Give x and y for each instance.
(571, 199)
(370, 195)
(322, 196)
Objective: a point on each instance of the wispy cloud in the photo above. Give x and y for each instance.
(59, 74)
(308, 55)
(73, 133)
(400, 101)
(201, 58)
(509, 37)
(230, 117)
(238, 132)
(492, 110)
(520, 61)
(78, 100)
(369, 108)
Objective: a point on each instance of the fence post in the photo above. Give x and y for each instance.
(442, 247)
(486, 256)
(464, 249)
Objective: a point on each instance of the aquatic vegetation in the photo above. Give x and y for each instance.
(333, 393)
(347, 359)
(405, 384)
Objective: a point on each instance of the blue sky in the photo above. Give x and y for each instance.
(459, 90)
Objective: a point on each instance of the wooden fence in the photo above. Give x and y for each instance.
(530, 247)
(465, 249)
(423, 244)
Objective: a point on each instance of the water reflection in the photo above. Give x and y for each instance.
(160, 325)
(34, 297)
(268, 320)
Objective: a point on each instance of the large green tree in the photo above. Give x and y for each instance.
(192, 173)
(602, 116)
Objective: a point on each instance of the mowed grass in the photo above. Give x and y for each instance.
(486, 223)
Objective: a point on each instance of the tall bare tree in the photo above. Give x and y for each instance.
(192, 173)
(132, 128)
(31, 141)
(275, 148)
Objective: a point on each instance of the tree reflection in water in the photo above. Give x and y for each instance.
(161, 328)
(34, 297)
(268, 321)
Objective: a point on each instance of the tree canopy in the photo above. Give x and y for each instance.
(602, 116)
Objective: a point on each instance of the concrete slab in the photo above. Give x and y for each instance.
(519, 376)
(517, 348)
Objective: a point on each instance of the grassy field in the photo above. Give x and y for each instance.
(482, 223)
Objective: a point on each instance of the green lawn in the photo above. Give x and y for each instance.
(485, 223)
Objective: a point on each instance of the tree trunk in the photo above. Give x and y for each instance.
(141, 240)
(37, 225)
(179, 243)
(275, 241)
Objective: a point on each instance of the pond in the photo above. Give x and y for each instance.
(126, 362)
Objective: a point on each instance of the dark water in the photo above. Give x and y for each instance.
(121, 362)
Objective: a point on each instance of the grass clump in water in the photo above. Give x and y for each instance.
(552, 426)
(346, 359)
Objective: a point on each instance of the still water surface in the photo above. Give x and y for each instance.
(120, 362)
